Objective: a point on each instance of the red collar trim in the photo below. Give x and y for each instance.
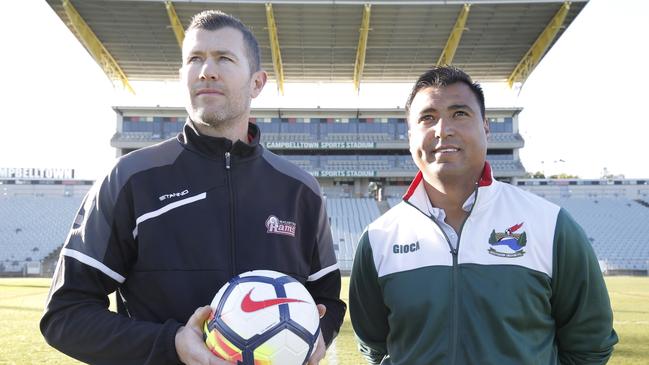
(485, 180)
(413, 185)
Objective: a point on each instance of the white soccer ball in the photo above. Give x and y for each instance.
(263, 317)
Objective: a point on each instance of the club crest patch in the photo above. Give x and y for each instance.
(508, 244)
(277, 226)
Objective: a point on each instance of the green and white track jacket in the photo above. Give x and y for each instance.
(522, 287)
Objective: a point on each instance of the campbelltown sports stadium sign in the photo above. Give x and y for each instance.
(36, 173)
(322, 145)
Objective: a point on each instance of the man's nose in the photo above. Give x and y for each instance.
(209, 71)
(444, 127)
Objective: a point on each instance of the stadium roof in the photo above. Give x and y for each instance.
(330, 41)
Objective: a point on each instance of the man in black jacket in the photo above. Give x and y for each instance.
(171, 223)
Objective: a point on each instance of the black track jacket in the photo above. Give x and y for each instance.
(167, 228)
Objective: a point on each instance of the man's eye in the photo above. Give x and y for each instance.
(193, 59)
(461, 113)
(225, 58)
(426, 118)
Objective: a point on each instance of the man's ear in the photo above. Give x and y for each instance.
(485, 126)
(257, 83)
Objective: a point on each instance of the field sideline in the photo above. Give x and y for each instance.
(21, 305)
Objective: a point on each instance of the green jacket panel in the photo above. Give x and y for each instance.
(580, 304)
(504, 316)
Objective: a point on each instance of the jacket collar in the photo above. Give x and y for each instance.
(417, 197)
(216, 147)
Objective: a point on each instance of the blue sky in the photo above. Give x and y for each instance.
(584, 105)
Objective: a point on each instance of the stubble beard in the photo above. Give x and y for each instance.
(213, 119)
(219, 118)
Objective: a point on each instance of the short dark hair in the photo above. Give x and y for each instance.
(442, 76)
(216, 19)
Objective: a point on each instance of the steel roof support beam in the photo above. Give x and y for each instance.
(274, 48)
(176, 25)
(362, 46)
(95, 47)
(536, 52)
(446, 58)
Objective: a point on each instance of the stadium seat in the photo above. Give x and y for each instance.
(31, 227)
(617, 228)
(349, 217)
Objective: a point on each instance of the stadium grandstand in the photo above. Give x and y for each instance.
(613, 212)
(37, 207)
(359, 156)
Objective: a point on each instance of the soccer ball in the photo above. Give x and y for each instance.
(263, 317)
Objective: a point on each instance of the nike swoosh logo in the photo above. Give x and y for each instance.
(248, 305)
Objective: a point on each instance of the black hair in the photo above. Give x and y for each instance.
(216, 19)
(442, 76)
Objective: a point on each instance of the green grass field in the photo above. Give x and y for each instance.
(21, 305)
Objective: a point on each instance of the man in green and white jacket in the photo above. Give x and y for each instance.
(468, 270)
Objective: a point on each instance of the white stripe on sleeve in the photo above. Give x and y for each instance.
(323, 272)
(82, 257)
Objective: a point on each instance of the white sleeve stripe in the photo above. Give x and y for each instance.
(93, 263)
(323, 272)
(165, 209)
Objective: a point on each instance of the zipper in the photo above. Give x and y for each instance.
(231, 194)
(456, 294)
(454, 279)
(454, 252)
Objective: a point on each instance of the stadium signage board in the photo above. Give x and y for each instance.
(320, 145)
(292, 145)
(343, 173)
(346, 145)
(35, 173)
